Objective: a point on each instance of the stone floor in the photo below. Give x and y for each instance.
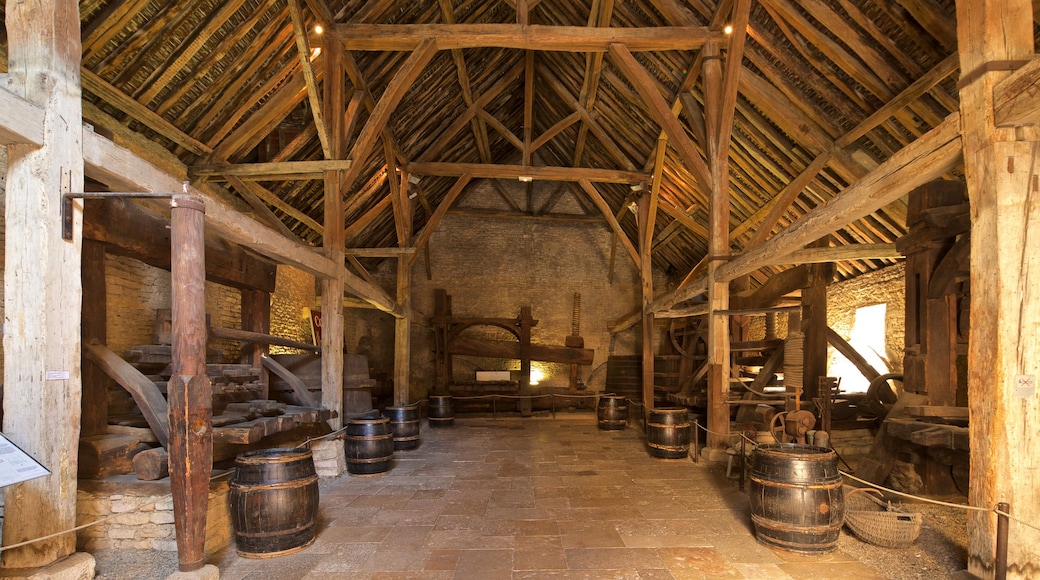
(538, 497)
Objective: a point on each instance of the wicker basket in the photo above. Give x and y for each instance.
(880, 523)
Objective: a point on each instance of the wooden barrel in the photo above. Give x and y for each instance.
(404, 422)
(441, 412)
(668, 433)
(612, 412)
(368, 446)
(274, 502)
(797, 502)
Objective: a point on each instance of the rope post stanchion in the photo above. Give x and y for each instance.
(1000, 564)
(696, 440)
(743, 460)
(494, 407)
(552, 404)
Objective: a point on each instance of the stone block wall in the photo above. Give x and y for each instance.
(143, 516)
(294, 291)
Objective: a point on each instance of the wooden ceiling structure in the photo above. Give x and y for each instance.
(812, 118)
(602, 97)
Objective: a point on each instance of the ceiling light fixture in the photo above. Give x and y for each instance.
(525, 178)
(728, 29)
(318, 29)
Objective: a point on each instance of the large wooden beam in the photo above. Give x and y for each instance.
(537, 172)
(132, 230)
(661, 111)
(281, 171)
(404, 37)
(1017, 98)
(22, 120)
(930, 157)
(42, 291)
(1003, 358)
(122, 170)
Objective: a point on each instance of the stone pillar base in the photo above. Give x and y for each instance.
(207, 572)
(78, 566)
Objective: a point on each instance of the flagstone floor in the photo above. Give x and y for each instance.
(537, 497)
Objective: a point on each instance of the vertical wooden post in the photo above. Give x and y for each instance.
(1003, 356)
(814, 325)
(42, 288)
(333, 241)
(189, 394)
(646, 278)
(256, 317)
(718, 248)
(95, 312)
(403, 332)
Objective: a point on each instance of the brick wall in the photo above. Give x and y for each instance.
(136, 291)
(492, 267)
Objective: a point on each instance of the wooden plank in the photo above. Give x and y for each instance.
(1015, 98)
(94, 406)
(403, 333)
(601, 203)
(152, 464)
(404, 37)
(258, 337)
(847, 350)
(303, 395)
(940, 411)
(147, 396)
(438, 215)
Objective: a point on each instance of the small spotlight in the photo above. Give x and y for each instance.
(728, 29)
(413, 179)
(525, 178)
(636, 187)
(318, 29)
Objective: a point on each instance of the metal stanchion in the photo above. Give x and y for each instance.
(1000, 565)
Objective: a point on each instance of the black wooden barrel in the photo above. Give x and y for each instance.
(612, 412)
(404, 422)
(668, 432)
(797, 502)
(274, 502)
(368, 446)
(441, 412)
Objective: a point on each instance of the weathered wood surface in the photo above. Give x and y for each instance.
(101, 456)
(152, 464)
(1000, 170)
(147, 396)
(402, 37)
(42, 292)
(130, 229)
(303, 395)
(540, 352)
(95, 382)
(189, 392)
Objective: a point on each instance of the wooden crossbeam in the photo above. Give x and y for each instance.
(537, 173)
(284, 170)
(405, 37)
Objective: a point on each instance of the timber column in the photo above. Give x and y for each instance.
(1000, 164)
(42, 288)
(189, 393)
(333, 239)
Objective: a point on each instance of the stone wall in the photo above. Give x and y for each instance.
(885, 286)
(294, 291)
(143, 516)
(492, 267)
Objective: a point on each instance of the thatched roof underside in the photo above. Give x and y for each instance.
(827, 88)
